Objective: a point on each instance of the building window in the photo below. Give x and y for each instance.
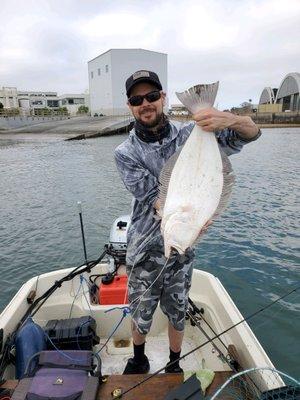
(99, 71)
(52, 103)
(92, 74)
(78, 101)
(106, 68)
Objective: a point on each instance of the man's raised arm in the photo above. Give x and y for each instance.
(212, 120)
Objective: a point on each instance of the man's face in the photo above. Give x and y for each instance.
(149, 114)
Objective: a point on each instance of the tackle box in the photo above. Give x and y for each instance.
(72, 333)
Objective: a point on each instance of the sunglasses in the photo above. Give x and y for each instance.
(150, 97)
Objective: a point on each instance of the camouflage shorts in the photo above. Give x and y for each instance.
(172, 282)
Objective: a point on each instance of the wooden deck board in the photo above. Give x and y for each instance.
(156, 388)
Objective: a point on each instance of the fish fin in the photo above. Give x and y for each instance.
(164, 179)
(199, 96)
(228, 182)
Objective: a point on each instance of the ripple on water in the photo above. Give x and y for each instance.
(253, 248)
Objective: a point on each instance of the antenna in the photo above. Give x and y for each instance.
(82, 231)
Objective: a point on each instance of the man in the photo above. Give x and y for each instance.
(140, 160)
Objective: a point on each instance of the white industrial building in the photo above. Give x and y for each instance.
(109, 71)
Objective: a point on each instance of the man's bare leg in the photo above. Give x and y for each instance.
(175, 338)
(138, 338)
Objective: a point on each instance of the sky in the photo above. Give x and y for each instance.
(246, 45)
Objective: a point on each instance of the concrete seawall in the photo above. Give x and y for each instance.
(264, 120)
(20, 122)
(75, 128)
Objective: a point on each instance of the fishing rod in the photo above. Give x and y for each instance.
(194, 320)
(82, 231)
(38, 303)
(33, 309)
(200, 312)
(209, 341)
(196, 315)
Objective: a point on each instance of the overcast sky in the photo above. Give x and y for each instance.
(246, 45)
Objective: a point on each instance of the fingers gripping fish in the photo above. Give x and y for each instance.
(196, 182)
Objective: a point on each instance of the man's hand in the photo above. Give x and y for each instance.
(156, 206)
(211, 120)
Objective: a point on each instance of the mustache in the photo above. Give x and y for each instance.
(147, 109)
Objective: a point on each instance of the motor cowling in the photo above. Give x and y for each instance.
(117, 246)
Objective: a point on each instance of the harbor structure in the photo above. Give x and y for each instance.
(32, 102)
(285, 98)
(109, 71)
(178, 109)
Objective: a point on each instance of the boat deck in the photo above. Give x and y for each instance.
(114, 357)
(155, 388)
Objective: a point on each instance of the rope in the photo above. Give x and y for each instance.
(126, 311)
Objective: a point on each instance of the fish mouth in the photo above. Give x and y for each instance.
(173, 249)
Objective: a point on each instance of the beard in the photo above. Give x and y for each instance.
(154, 122)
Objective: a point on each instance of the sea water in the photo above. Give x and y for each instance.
(253, 248)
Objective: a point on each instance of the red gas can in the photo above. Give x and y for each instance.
(114, 292)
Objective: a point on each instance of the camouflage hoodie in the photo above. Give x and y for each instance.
(139, 164)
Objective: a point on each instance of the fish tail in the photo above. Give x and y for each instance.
(199, 96)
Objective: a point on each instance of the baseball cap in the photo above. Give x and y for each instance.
(142, 76)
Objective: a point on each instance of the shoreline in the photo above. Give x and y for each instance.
(278, 125)
(72, 129)
(82, 131)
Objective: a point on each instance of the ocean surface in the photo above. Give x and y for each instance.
(253, 248)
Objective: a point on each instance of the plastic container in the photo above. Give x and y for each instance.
(114, 292)
(30, 339)
(72, 334)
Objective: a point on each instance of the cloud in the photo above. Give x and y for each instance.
(246, 45)
(113, 25)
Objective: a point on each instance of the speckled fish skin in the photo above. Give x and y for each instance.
(195, 183)
(194, 191)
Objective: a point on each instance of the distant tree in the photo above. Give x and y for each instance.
(82, 110)
(42, 111)
(245, 107)
(1, 106)
(11, 112)
(62, 111)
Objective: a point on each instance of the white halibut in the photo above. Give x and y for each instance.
(196, 182)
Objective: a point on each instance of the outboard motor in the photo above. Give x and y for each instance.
(117, 245)
(113, 287)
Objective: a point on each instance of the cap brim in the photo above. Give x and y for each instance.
(143, 79)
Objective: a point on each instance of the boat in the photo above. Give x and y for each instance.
(217, 337)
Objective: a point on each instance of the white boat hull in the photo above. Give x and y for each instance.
(206, 292)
